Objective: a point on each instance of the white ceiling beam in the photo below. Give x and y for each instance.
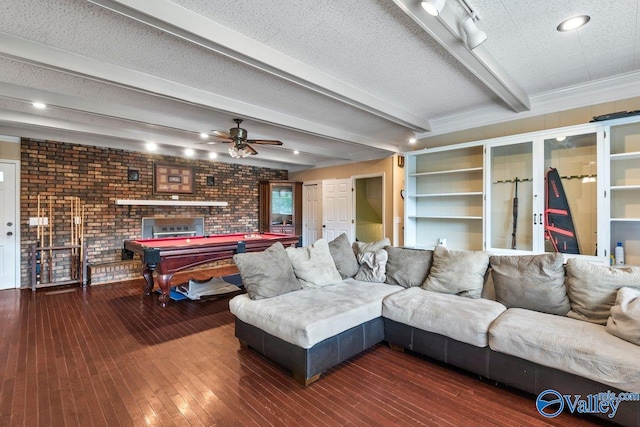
(45, 56)
(446, 30)
(190, 26)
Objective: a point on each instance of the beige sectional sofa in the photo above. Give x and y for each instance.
(521, 320)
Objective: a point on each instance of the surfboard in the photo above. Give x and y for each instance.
(558, 222)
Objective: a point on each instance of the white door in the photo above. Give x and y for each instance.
(311, 213)
(8, 227)
(337, 208)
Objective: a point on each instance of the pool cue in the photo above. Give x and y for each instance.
(50, 239)
(38, 253)
(82, 255)
(73, 250)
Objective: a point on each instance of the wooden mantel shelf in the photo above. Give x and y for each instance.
(169, 203)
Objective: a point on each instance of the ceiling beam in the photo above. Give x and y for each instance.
(45, 56)
(446, 30)
(194, 28)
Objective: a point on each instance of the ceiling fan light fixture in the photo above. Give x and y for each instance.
(433, 7)
(573, 23)
(475, 36)
(239, 153)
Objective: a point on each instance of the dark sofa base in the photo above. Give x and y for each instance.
(512, 371)
(306, 365)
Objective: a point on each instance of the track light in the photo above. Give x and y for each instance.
(475, 36)
(433, 7)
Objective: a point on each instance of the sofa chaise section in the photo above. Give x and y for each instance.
(311, 330)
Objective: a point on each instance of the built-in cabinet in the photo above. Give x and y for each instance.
(444, 198)
(465, 195)
(280, 207)
(624, 187)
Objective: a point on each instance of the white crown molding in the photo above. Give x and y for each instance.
(597, 92)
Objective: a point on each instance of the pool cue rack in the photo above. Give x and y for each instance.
(72, 257)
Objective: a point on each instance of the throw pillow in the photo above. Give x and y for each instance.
(372, 266)
(313, 265)
(267, 274)
(343, 256)
(407, 267)
(592, 288)
(457, 272)
(624, 321)
(535, 282)
(362, 247)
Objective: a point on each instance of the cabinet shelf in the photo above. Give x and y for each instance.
(444, 172)
(471, 193)
(625, 219)
(456, 217)
(625, 187)
(625, 156)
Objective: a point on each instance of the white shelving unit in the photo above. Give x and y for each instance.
(624, 188)
(444, 198)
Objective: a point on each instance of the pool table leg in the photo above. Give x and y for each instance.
(147, 273)
(164, 281)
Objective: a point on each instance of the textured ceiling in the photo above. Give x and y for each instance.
(338, 81)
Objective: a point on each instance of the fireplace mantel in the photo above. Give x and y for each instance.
(169, 203)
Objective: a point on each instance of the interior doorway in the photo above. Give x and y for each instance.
(369, 207)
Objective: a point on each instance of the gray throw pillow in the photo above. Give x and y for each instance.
(343, 256)
(624, 321)
(267, 274)
(534, 282)
(592, 288)
(313, 265)
(372, 266)
(457, 272)
(407, 267)
(362, 247)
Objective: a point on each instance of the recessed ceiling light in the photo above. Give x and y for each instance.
(39, 105)
(573, 23)
(189, 152)
(213, 155)
(151, 146)
(412, 140)
(296, 152)
(204, 135)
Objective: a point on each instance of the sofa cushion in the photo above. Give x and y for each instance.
(361, 247)
(343, 256)
(592, 288)
(457, 272)
(624, 321)
(309, 316)
(268, 273)
(407, 267)
(580, 348)
(463, 319)
(535, 282)
(313, 265)
(372, 266)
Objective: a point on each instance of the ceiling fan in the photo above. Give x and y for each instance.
(238, 136)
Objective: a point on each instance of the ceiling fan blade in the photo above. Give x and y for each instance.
(264, 141)
(250, 148)
(220, 134)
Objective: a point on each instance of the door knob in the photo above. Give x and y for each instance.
(9, 233)
(9, 224)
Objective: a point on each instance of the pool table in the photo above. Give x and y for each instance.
(167, 256)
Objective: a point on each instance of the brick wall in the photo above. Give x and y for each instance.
(98, 176)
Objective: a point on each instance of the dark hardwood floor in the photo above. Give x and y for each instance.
(109, 356)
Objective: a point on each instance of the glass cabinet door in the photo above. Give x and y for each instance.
(571, 208)
(510, 197)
